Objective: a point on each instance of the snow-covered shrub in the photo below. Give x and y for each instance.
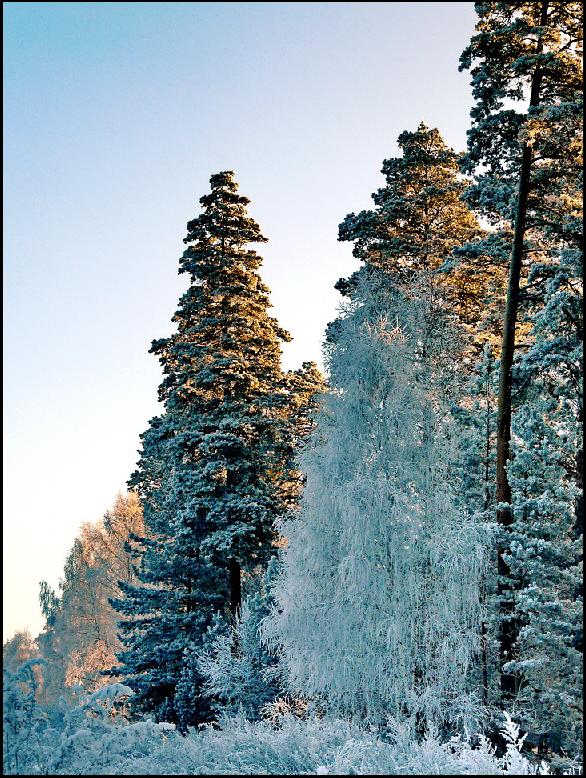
(95, 739)
(239, 670)
(23, 720)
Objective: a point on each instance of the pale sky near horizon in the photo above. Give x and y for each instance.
(115, 116)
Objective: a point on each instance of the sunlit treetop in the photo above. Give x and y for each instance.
(512, 42)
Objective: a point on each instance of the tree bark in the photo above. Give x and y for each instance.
(235, 587)
(508, 628)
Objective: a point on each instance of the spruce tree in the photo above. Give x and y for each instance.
(545, 472)
(215, 467)
(526, 75)
(240, 674)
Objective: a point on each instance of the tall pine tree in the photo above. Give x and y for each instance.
(215, 468)
(417, 223)
(525, 61)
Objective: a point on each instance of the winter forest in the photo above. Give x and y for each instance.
(377, 569)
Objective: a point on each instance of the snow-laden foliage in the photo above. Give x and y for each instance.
(216, 467)
(22, 718)
(545, 556)
(525, 147)
(475, 415)
(378, 610)
(79, 639)
(18, 649)
(94, 738)
(239, 671)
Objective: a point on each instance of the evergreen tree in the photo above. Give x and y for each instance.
(216, 466)
(545, 556)
(377, 609)
(419, 220)
(526, 74)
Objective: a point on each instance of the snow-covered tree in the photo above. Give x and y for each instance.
(418, 221)
(216, 467)
(525, 145)
(378, 607)
(545, 557)
(18, 649)
(23, 721)
(80, 639)
(475, 415)
(239, 670)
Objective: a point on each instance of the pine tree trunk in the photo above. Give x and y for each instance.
(579, 480)
(508, 627)
(235, 587)
(483, 594)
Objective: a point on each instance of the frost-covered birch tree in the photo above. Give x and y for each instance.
(377, 609)
(79, 640)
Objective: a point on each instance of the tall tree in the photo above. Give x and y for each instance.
(545, 554)
(377, 608)
(526, 76)
(216, 467)
(80, 640)
(427, 240)
(419, 220)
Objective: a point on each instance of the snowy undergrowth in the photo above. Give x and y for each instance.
(89, 740)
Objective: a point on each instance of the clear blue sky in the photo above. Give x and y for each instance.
(116, 115)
